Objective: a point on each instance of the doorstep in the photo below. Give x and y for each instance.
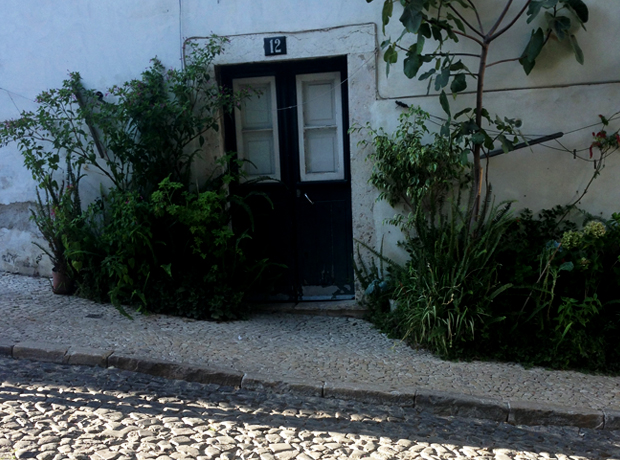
(345, 308)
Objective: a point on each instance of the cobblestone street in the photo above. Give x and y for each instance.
(53, 411)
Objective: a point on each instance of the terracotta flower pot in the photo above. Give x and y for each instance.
(61, 283)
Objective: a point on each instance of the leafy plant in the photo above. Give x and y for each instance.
(409, 171)
(452, 278)
(155, 237)
(563, 310)
(437, 23)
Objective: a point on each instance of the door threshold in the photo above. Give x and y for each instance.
(342, 308)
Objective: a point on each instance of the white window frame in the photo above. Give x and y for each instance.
(238, 85)
(334, 78)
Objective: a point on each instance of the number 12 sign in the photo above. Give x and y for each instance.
(275, 46)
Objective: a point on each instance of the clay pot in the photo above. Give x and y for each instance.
(61, 283)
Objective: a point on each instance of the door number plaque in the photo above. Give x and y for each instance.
(275, 46)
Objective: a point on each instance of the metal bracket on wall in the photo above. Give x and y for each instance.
(521, 145)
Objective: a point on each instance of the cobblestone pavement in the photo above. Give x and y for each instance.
(54, 411)
(297, 348)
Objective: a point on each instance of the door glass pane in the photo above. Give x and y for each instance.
(319, 104)
(256, 127)
(258, 149)
(321, 151)
(319, 111)
(256, 109)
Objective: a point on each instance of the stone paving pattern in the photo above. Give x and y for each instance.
(56, 412)
(328, 351)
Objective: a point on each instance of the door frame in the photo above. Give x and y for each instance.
(359, 43)
(285, 74)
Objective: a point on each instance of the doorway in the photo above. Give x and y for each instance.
(292, 130)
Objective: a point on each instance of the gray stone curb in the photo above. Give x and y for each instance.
(529, 413)
(436, 402)
(6, 348)
(447, 404)
(367, 394)
(41, 351)
(259, 382)
(176, 371)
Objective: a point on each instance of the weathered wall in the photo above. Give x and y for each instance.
(110, 41)
(107, 41)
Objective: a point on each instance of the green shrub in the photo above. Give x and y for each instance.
(452, 279)
(155, 238)
(563, 311)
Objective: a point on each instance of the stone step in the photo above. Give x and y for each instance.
(344, 308)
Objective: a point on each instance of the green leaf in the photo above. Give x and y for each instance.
(527, 65)
(443, 100)
(425, 30)
(579, 8)
(459, 24)
(458, 66)
(535, 7)
(427, 74)
(412, 65)
(420, 44)
(463, 112)
(576, 49)
(445, 129)
(560, 25)
(566, 266)
(411, 18)
(168, 268)
(506, 144)
(534, 46)
(386, 14)
(391, 55)
(532, 50)
(478, 138)
(459, 83)
(442, 79)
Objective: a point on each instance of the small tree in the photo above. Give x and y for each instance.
(447, 21)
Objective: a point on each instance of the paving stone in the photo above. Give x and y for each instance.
(73, 406)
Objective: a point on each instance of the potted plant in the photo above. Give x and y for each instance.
(55, 215)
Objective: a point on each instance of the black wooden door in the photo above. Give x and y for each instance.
(293, 130)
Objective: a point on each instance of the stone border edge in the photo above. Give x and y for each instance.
(437, 402)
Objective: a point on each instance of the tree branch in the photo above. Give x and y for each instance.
(489, 36)
(466, 22)
(515, 19)
(473, 7)
(457, 32)
(503, 61)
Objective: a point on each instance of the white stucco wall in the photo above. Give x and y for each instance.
(110, 41)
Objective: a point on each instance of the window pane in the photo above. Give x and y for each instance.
(321, 150)
(258, 149)
(319, 104)
(257, 109)
(256, 127)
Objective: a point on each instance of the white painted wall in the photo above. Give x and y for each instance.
(110, 41)
(107, 41)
